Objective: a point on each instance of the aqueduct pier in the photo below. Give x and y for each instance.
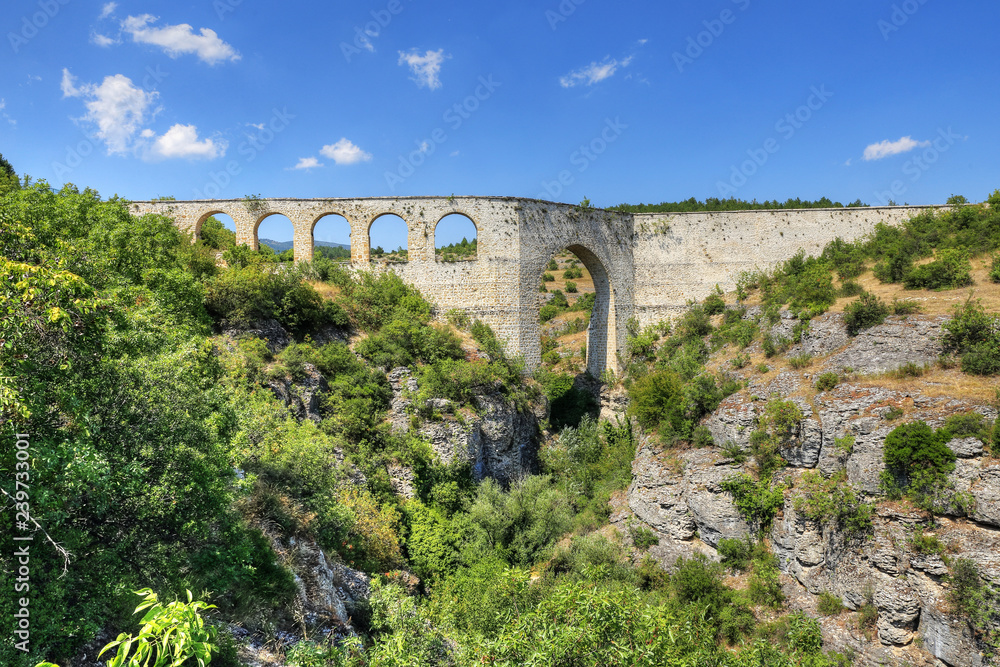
(646, 266)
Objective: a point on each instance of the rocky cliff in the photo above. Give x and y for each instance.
(678, 493)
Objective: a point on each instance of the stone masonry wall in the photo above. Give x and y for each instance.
(645, 266)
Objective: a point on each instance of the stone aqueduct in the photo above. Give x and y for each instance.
(645, 266)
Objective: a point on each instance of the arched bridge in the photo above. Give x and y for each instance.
(645, 266)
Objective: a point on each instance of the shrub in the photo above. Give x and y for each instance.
(995, 269)
(714, 303)
(694, 323)
(950, 270)
(800, 361)
(925, 544)
(975, 335)
(570, 286)
(458, 318)
(907, 370)
(967, 595)
(774, 345)
(763, 368)
(866, 311)
(905, 307)
(643, 538)
(548, 277)
(702, 437)
(827, 381)
(917, 461)
(740, 360)
(850, 288)
(547, 312)
(656, 398)
(967, 425)
(833, 501)
(755, 500)
(553, 265)
(893, 413)
(829, 604)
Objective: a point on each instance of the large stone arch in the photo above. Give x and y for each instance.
(264, 215)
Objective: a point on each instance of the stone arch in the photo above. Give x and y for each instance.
(205, 216)
(264, 216)
(388, 216)
(335, 218)
(456, 216)
(602, 334)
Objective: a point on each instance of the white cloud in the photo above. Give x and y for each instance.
(886, 148)
(426, 68)
(176, 40)
(345, 152)
(594, 72)
(308, 163)
(101, 40)
(117, 107)
(3, 105)
(181, 141)
(108, 9)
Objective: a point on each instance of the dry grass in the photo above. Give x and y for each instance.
(326, 290)
(942, 383)
(933, 302)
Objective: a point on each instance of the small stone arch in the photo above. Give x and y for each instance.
(332, 214)
(387, 214)
(264, 216)
(432, 231)
(205, 216)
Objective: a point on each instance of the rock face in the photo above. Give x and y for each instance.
(676, 493)
(302, 395)
(495, 438)
(270, 331)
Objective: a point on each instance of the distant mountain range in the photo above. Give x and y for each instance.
(281, 246)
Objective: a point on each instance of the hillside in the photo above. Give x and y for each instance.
(281, 246)
(354, 479)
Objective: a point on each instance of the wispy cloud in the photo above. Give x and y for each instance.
(426, 68)
(884, 149)
(308, 163)
(101, 40)
(3, 105)
(345, 152)
(593, 73)
(108, 9)
(180, 39)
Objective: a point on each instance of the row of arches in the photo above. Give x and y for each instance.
(455, 236)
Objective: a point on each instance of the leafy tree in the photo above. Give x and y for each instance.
(8, 177)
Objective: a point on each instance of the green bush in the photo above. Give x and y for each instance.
(850, 288)
(917, 462)
(905, 307)
(833, 501)
(570, 287)
(827, 381)
(656, 398)
(975, 335)
(949, 271)
(995, 269)
(801, 361)
(829, 604)
(714, 304)
(548, 277)
(866, 311)
(755, 500)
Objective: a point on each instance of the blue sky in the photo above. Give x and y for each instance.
(617, 102)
